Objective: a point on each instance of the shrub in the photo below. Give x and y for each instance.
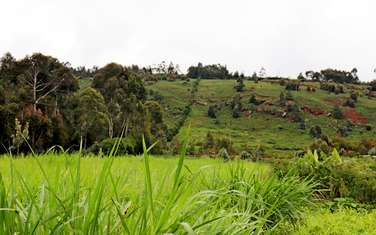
(224, 142)
(354, 97)
(292, 86)
(350, 103)
(296, 117)
(236, 112)
(302, 125)
(222, 153)
(245, 155)
(292, 108)
(320, 146)
(239, 87)
(209, 143)
(337, 113)
(126, 146)
(372, 151)
(212, 111)
(342, 131)
(259, 153)
(315, 131)
(352, 178)
(253, 100)
(339, 89)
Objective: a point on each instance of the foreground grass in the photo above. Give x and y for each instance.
(65, 194)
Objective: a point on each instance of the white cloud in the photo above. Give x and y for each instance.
(285, 37)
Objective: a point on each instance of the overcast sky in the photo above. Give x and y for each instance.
(284, 36)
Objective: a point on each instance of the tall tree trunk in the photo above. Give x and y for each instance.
(110, 128)
(35, 91)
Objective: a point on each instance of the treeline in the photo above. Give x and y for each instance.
(333, 75)
(41, 105)
(218, 71)
(214, 71)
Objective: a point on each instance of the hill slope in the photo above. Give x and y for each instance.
(268, 123)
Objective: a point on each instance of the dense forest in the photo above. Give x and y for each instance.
(40, 100)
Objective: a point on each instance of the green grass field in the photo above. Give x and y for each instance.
(66, 194)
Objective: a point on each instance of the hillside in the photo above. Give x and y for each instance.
(266, 123)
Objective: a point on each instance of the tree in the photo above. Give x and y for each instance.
(254, 77)
(35, 89)
(91, 116)
(45, 77)
(262, 73)
(214, 71)
(124, 94)
(340, 76)
(301, 77)
(372, 85)
(158, 128)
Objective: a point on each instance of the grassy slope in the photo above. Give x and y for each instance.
(175, 98)
(275, 133)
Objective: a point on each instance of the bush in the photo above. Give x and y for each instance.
(224, 142)
(245, 155)
(353, 178)
(212, 111)
(372, 151)
(337, 113)
(320, 146)
(239, 87)
(253, 100)
(343, 131)
(259, 153)
(315, 131)
(222, 153)
(126, 146)
(296, 117)
(302, 125)
(292, 86)
(350, 103)
(236, 112)
(354, 97)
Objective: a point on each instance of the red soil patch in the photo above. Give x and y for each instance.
(337, 102)
(355, 117)
(313, 111)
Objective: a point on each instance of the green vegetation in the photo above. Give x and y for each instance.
(268, 155)
(260, 116)
(341, 222)
(143, 195)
